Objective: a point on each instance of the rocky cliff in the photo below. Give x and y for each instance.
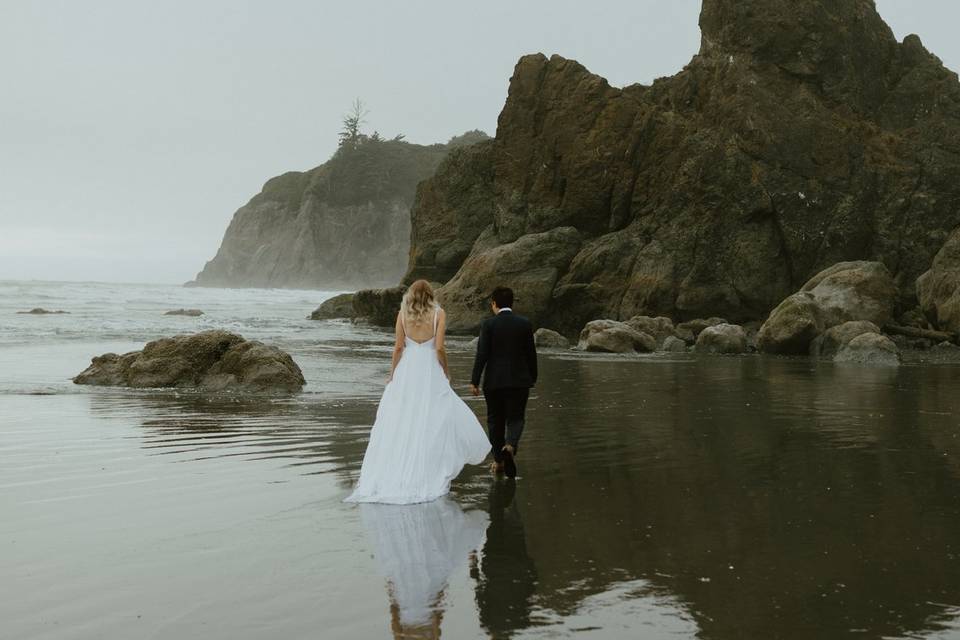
(342, 225)
(802, 134)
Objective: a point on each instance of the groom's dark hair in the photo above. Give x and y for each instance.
(503, 296)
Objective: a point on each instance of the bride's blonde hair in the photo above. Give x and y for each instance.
(418, 300)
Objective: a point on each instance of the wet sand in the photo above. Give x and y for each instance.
(715, 497)
(683, 496)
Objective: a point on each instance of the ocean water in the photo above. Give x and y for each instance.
(659, 496)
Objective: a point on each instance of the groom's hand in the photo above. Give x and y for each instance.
(474, 389)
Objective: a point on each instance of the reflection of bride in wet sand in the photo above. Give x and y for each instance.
(417, 548)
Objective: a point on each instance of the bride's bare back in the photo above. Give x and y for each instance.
(422, 328)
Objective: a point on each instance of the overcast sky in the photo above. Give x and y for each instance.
(131, 130)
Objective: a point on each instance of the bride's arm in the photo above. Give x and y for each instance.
(441, 342)
(397, 347)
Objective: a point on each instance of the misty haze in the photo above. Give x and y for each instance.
(514, 320)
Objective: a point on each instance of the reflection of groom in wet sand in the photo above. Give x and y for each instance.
(505, 575)
(507, 358)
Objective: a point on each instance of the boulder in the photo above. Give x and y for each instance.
(549, 339)
(610, 336)
(845, 292)
(530, 266)
(835, 338)
(673, 344)
(792, 326)
(850, 291)
(872, 349)
(209, 360)
(334, 308)
(378, 306)
(193, 313)
(689, 330)
(722, 338)
(39, 311)
(938, 289)
(660, 328)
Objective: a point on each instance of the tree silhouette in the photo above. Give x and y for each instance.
(352, 120)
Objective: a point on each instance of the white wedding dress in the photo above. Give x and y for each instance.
(423, 434)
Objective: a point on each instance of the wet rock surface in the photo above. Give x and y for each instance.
(337, 307)
(209, 360)
(610, 336)
(803, 134)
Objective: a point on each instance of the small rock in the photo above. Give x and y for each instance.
(836, 338)
(871, 349)
(193, 313)
(610, 336)
(722, 338)
(334, 308)
(38, 311)
(549, 339)
(689, 331)
(946, 346)
(673, 344)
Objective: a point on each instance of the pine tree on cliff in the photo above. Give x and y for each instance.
(350, 134)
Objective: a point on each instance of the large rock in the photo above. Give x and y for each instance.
(801, 135)
(850, 291)
(792, 326)
(610, 336)
(378, 306)
(938, 289)
(548, 339)
(845, 292)
(530, 266)
(340, 306)
(342, 225)
(871, 349)
(210, 360)
(836, 338)
(722, 338)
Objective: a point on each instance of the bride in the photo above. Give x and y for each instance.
(424, 433)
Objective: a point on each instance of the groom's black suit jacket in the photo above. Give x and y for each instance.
(507, 352)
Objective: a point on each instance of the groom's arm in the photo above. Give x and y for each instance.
(483, 352)
(531, 353)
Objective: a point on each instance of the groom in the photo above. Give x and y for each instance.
(507, 352)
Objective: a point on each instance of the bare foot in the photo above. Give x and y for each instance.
(509, 465)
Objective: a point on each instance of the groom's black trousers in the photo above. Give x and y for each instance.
(505, 417)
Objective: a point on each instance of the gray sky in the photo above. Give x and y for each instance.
(130, 131)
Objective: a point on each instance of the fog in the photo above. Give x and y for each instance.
(130, 131)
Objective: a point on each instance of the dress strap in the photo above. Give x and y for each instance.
(436, 314)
